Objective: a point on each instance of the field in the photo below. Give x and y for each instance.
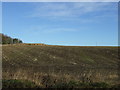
(50, 66)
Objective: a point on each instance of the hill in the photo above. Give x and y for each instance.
(47, 64)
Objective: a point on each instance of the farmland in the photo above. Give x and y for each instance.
(46, 65)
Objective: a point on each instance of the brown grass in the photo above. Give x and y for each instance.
(46, 65)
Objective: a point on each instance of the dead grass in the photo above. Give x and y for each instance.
(51, 78)
(49, 65)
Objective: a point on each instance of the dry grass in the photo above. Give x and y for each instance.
(51, 78)
(49, 65)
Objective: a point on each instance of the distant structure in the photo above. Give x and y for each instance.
(42, 44)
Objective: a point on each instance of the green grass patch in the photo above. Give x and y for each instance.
(73, 84)
(12, 83)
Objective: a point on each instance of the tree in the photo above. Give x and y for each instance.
(20, 41)
(15, 41)
(4, 39)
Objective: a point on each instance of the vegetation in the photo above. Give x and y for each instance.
(4, 39)
(13, 83)
(61, 66)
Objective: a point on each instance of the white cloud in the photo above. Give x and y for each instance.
(50, 9)
(56, 30)
(68, 9)
(50, 29)
(74, 12)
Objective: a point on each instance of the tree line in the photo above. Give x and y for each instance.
(4, 39)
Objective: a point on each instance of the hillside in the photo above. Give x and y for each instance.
(32, 62)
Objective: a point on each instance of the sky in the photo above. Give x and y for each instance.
(62, 23)
(0, 16)
(60, 0)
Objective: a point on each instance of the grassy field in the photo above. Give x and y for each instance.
(50, 66)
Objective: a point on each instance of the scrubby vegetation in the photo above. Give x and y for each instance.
(13, 83)
(62, 66)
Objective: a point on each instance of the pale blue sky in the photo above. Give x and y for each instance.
(62, 23)
(0, 16)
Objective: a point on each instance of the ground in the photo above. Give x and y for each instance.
(47, 64)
